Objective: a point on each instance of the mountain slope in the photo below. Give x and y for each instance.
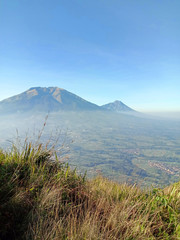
(45, 99)
(117, 106)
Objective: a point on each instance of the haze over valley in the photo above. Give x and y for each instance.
(114, 141)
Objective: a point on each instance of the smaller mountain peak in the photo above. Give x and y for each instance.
(117, 106)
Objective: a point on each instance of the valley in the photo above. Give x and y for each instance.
(120, 147)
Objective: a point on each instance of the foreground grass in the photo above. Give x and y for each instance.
(41, 199)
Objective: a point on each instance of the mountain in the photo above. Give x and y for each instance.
(117, 106)
(45, 99)
(53, 99)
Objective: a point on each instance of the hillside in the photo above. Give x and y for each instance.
(44, 199)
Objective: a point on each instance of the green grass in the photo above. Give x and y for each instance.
(43, 199)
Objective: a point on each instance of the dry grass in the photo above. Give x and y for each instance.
(45, 200)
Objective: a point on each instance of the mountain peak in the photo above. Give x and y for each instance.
(46, 99)
(117, 106)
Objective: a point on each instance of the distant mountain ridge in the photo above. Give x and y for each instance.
(53, 99)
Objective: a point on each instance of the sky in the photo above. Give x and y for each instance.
(101, 50)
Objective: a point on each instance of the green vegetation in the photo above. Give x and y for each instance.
(121, 147)
(41, 198)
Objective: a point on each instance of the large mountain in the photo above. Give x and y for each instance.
(117, 106)
(45, 99)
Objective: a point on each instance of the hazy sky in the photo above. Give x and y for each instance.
(101, 50)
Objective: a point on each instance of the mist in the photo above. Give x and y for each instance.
(170, 115)
(122, 147)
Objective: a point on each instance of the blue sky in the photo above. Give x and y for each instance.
(101, 50)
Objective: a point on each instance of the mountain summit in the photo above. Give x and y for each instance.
(45, 99)
(117, 106)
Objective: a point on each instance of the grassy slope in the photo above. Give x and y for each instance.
(44, 200)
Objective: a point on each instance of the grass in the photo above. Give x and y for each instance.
(41, 198)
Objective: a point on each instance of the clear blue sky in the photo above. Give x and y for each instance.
(101, 50)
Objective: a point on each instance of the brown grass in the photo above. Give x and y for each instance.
(45, 200)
